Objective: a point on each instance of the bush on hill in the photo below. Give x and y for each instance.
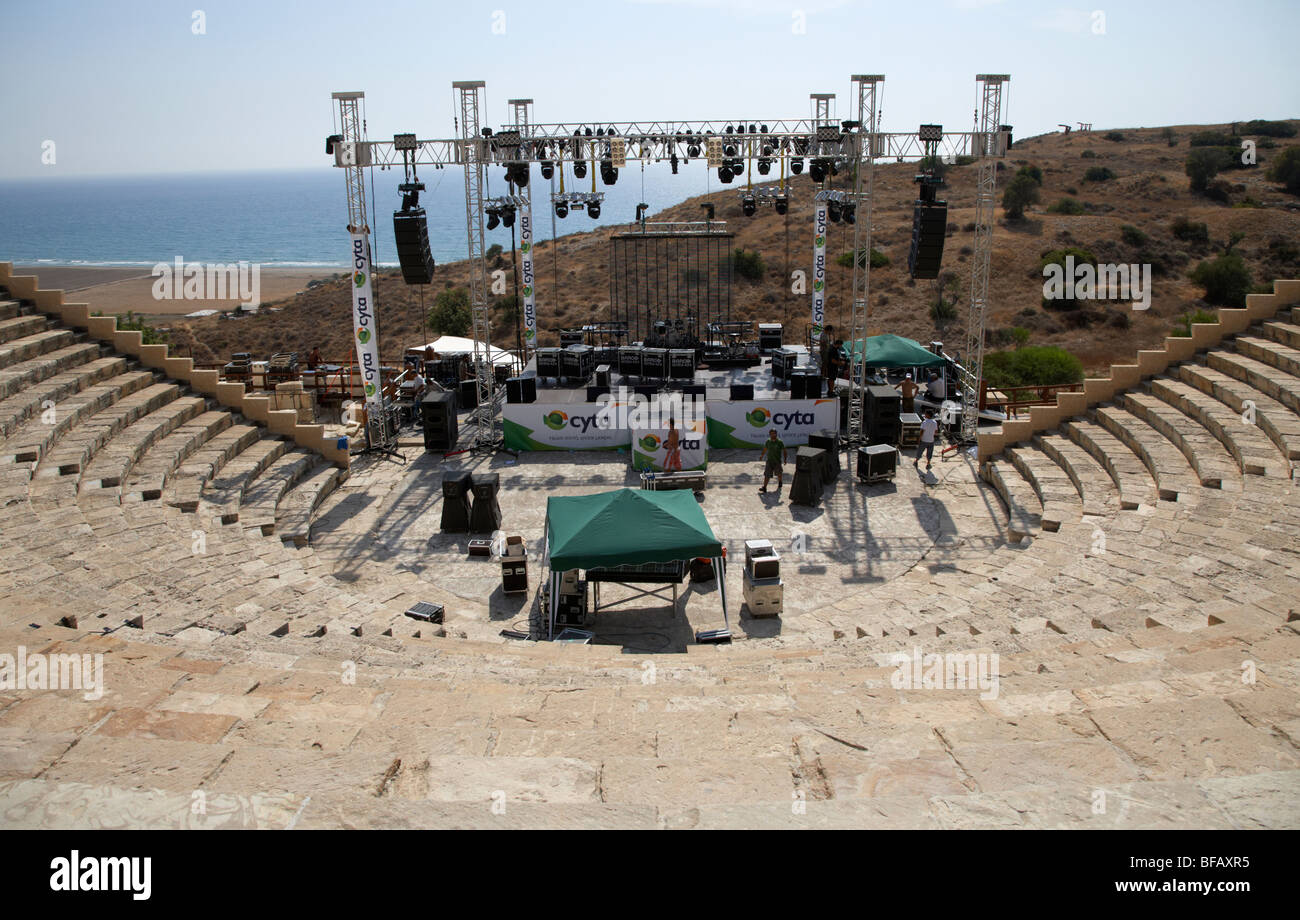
(748, 265)
(1183, 325)
(1032, 172)
(1114, 136)
(1132, 236)
(1098, 174)
(1020, 194)
(1226, 280)
(1204, 163)
(1070, 206)
(1264, 128)
(1190, 231)
(1033, 365)
(878, 259)
(450, 314)
(1286, 169)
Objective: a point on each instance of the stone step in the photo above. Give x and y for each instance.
(223, 495)
(1277, 421)
(1271, 353)
(1268, 380)
(294, 511)
(186, 485)
(1024, 510)
(20, 327)
(33, 439)
(1172, 473)
(16, 377)
(115, 459)
(152, 471)
(1246, 441)
(53, 383)
(77, 449)
(1287, 334)
(1132, 481)
(257, 508)
(9, 309)
(1091, 481)
(1061, 501)
(31, 346)
(1215, 468)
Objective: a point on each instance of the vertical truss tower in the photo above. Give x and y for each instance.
(521, 114)
(988, 144)
(474, 159)
(864, 162)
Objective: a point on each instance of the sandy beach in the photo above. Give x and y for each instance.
(118, 290)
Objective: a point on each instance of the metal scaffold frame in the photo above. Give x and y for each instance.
(863, 188)
(990, 147)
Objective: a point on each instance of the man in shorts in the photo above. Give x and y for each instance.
(774, 455)
(929, 433)
(908, 388)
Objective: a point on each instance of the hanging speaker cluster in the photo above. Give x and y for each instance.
(929, 228)
(411, 232)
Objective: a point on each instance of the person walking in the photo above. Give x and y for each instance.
(929, 432)
(774, 455)
(909, 389)
(673, 449)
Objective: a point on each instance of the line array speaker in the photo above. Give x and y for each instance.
(929, 228)
(411, 232)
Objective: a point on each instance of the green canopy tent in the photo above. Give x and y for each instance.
(894, 351)
(627, 527)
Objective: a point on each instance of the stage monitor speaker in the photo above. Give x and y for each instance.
(742, 391)
(521, 390)
(929, 229)
(456, 487)
(411, 233)
(485, 515)
(806, 487)
(883, 402)
(594, 393)
(468, 394)
(805, 385)
(829, 443)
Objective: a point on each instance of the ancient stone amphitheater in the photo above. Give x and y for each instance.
(1130, 556)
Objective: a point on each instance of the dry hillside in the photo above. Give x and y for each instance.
(1150, 190)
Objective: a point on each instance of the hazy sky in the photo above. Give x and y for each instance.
(129, 87)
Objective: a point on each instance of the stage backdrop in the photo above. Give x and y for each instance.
(559, 426)
(746, 423)
(648, 451)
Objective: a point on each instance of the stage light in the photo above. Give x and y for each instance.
(608, 174)
(796, 165)
(331, 141)
(931, 133)
(817, 170)
(748, 205)
(835, 211)
(764, 166)
(580, 169)
(850, 213)
(725, 175)
(672, 161)
(593, 209)
(781, 205)
(693, 150)
(561, 209)
(508, 217)
(494, 218)
(729, 150)
(548, 169)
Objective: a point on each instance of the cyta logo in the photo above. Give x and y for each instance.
(819, 242)
(363, 335)
(818, 285)
(759, 417)
(370, 390)
(359, 279)
(530, 333)
(649, 443)
(556, 420)
(525, 248)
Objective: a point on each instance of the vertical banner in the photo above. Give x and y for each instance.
(526, 267)
(819, 271)
(364, 330)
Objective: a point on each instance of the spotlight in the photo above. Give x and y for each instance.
(548, 169)
(836, 211)
(817, 171)
(729, 150)
(748, 205)
(508, 217)
(672, 161)
(608, 174)
(796, 165)
(593, 209)
(521, 175)
(494, 218)
(781, 205)
(850, 213)
(580, 169)
(693, 150)
(764, 166)
(725, 175)
(331, 141)
(561, 209)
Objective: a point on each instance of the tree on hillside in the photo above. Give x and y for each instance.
(1203, 164)
(1226, 280)
(450, 314)
(1286, 169)
(1020, 194)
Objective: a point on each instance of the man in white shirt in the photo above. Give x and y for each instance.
(937, 389)
(929, 433)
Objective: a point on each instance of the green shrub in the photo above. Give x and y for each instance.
(1170, 137)
(1020, 335)
(1071, 206)
(1132, 236)
(1032, 172)
(1190, 231)
(131, 323)
(1212, 139)
(1114, 136)
(1058, 257)
(963, 160)
(1286, 169)
(943, 311)
(1019, 194)
(1033, 365)
(1226, 280)
(1089, 155)
(1183, 325)
(749, 265)
(1263, 128)
(1098, 174)
(878, 259)
(494, 253)
(1204, 163)
(450, 314)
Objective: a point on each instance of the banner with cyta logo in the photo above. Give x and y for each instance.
(559, 426)
(363, 322)
(650, 448)
(747, 423)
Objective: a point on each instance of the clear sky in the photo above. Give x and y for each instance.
(129, 87)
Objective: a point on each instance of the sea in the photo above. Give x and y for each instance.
(290, 219)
